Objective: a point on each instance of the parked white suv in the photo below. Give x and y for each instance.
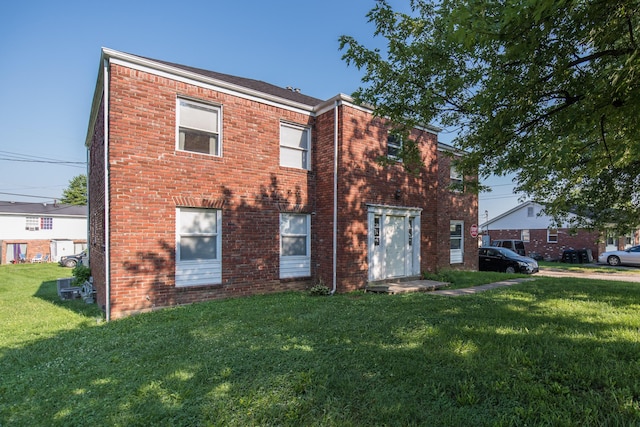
(516, 246)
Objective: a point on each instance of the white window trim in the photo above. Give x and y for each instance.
(219, 125)
(525, 235)
(396, 145)
(451, 259)
(454, 175)
(204, 271)
(549, 234)
(292, 266)
(32, 223)
(307, 151)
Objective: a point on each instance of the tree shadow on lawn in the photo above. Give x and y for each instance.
(48, 291)
(291, 359)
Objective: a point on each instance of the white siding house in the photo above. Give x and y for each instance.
(48, 230)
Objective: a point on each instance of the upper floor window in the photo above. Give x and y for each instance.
(46, 223)
(294, 146)
(394, 146)
(32, 223)
(530, 211)
(198, 127)
(455, 175)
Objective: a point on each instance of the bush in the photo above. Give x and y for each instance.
(81, 274)
(320, 289)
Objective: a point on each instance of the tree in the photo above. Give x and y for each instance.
(76, 192)
(546, 89)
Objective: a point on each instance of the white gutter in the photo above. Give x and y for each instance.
(335, 197)
(107, 258)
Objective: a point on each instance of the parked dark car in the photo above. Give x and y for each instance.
(515, 245)
(72, 260)
(493, 258)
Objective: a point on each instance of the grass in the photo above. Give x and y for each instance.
(547, 352)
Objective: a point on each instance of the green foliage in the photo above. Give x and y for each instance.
(547, 352)
(76, 192)
(81, 274)
(319, 289)
(548, 90)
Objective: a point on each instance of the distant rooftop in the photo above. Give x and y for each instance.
(52, 209)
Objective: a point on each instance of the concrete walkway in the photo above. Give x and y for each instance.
(481, 288)
(437, 288)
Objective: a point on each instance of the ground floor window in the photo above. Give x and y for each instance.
(552, 235)
(456, 242)
(295, 245)
(198, 246)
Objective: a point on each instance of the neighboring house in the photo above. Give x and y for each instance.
(51, 230)
(528, 222)
(204, 185)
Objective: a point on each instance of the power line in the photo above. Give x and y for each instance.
(28, 158)
(28, 195)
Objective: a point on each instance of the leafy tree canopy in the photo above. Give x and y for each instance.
(546, 89)
(76, 192)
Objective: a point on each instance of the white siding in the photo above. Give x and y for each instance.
(295, 267)
(194, 273)
(12, 227)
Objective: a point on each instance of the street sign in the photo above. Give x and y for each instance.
(474, 230)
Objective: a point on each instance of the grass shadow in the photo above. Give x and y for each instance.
(48, 291)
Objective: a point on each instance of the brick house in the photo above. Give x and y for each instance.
(48, 229)
(204, 185)
(528, 222)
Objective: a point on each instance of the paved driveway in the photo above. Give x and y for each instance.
(622, 274)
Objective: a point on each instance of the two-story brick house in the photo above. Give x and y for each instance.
(204, 185)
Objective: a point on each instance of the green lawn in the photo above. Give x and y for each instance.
(547, 352)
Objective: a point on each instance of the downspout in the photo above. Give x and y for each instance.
(107, 260)
(335, 198)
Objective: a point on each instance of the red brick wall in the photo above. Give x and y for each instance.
(97, 237)
(455, 206)
(538, 241)
(149, 178)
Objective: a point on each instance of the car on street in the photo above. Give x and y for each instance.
(72, 260)
(629, 256)
(493, 258)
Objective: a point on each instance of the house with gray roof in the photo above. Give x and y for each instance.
(40, 231)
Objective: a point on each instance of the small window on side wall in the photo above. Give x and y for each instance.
(552, 235)
(295, 142)
(394, 146)
(198, 127)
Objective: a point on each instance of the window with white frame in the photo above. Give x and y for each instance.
(394, 146)
(198, 127)
(525, 236)
(295, 245)
(32, 223)
(46, 224)
(456, 242)
(552, 235)
(295, 143)
(198, 246)
(455, 176)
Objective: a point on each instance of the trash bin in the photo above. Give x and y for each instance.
(570, 256)
(585, 256)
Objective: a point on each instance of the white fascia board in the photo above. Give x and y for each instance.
(347, 100)
(173, 73)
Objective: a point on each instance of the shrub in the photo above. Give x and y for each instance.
(319, 289)
(81, 274)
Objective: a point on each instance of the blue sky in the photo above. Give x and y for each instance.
(49, 60)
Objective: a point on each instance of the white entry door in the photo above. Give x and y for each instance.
(395, 246)
(394, 242)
